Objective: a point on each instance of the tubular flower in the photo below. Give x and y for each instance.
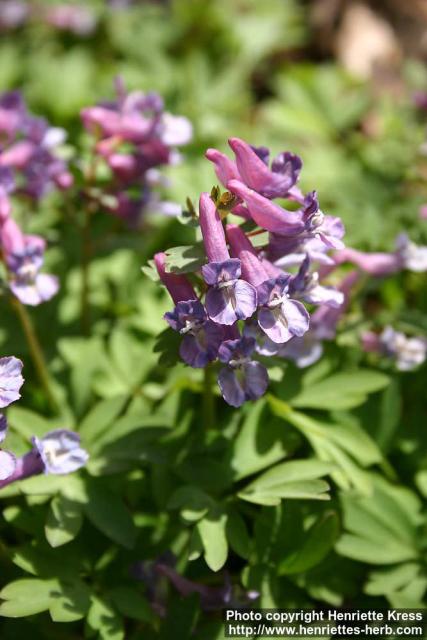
(240, 303)
(134, 137)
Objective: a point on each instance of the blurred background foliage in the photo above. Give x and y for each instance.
(273, 73)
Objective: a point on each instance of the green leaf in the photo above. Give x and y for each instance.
(341, 391)
(100, 417)
(237, 534)
(64, 521)
(185, 259)
(130, 603)
(103, 618)
(317, 543)
(192, 502)
(339, 444)
(108, 513)
(381, 528)
(261, 441)
(26, 597)
(212, 533)
(296, 479)
(70, 601)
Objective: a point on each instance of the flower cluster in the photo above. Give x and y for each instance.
(261, 300)
(23, 259)
(252, 305)
(77, 19)
(58, 452)
(134, 137)
(29, 159)
(407, 353)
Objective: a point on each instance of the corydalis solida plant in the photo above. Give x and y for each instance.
(134, 136)
(245, 302)
(246, 305)
(58, 452)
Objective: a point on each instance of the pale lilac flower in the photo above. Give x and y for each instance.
(13, 14)
(423, 212)
(228, 299)
(60, 452)
(11, 381)
(24, 258)
(201, 336)
(280, 317)
(408, 353)
(413, 257)
(303, 351)
(243, 379)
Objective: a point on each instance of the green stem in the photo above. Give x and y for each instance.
(85, 265)
(208, 398)
(35, 351)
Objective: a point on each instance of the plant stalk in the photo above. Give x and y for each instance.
(208, 398)
(36, 351)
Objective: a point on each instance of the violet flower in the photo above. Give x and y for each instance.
(229, 298)
(134, 137)
(29, 149)
(11, 381)
(24, 259)
(280, 317)
(305, 285)
(243, 378)
(58, 453)
(251, 168)
(267, 214)
(201, 336)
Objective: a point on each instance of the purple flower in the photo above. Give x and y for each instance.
(303, 351)
(178, 286)
(243, 379)
(279, 317)
(267, 214)
(376, 264)
(225, 168)
(253, 269)
(253, 169)
(11, 381)
(305, 285)
(24, 259)
(212, 230)
(77, 19)
(228, 299)
(201, 336)
(7, 465)
(13, 14)
(60, 452)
